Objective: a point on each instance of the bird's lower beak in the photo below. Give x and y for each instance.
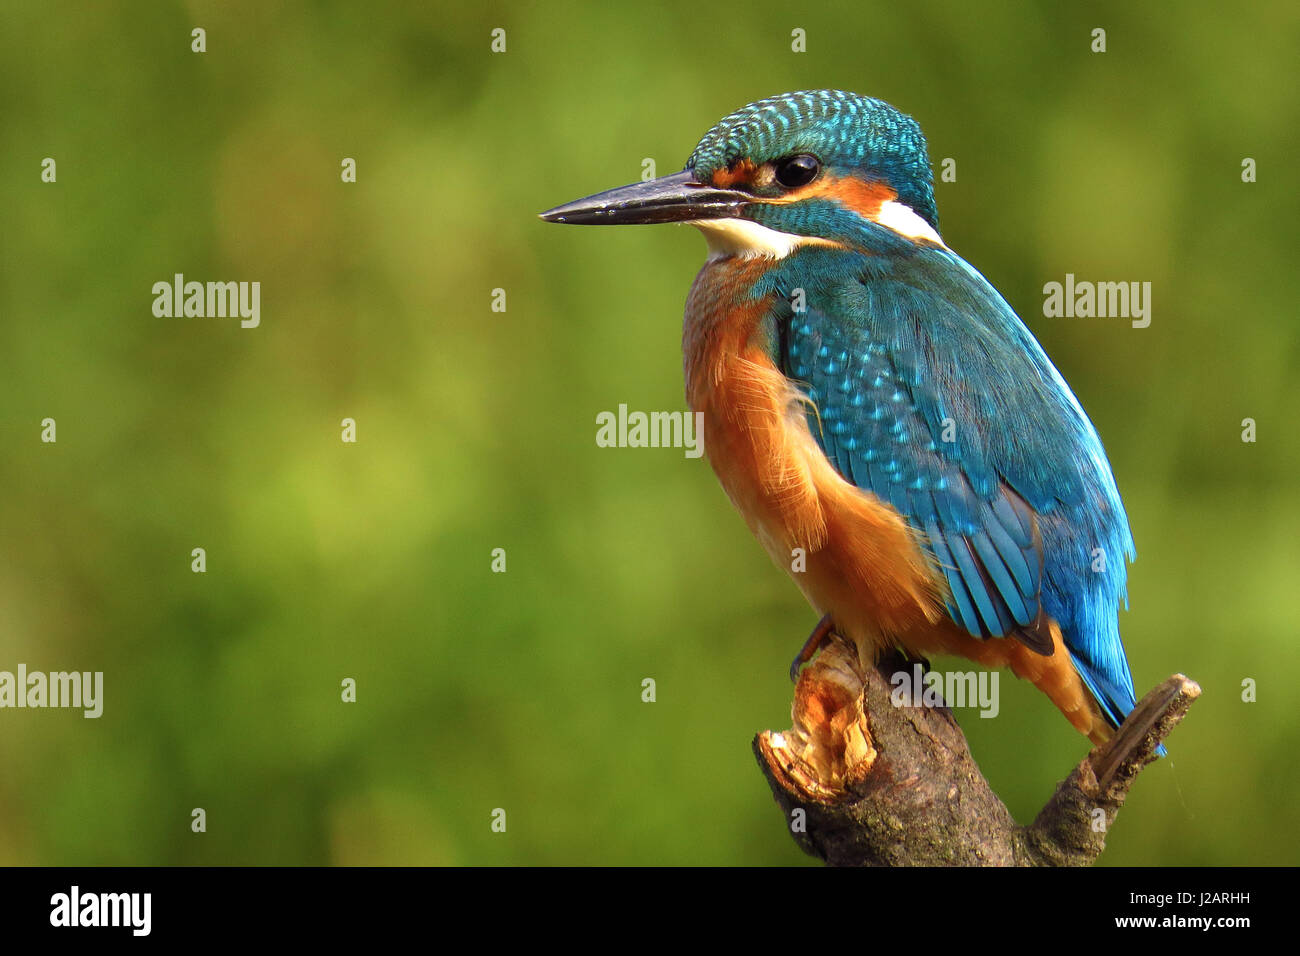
(675, 198)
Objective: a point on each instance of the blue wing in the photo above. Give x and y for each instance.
(930, 393)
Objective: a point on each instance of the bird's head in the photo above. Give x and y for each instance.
(816, 167)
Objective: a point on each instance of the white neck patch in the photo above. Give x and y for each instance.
(902, 220)
(749, 240)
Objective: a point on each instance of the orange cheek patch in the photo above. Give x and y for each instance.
(863, 198)
(742, 173)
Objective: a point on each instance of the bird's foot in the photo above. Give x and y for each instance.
(811, 646)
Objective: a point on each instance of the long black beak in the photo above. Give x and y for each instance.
(675, 198)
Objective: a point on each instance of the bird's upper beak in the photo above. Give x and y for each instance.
(675, 198)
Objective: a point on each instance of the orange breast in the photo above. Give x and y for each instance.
(853, 556)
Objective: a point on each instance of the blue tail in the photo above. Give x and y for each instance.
(1112, 688)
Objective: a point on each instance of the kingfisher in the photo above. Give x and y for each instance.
(890, 430)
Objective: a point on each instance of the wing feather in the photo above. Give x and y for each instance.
(930, 394)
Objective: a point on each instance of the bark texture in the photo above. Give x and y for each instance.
(882, 785)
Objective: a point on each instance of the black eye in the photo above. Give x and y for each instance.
(797, 171)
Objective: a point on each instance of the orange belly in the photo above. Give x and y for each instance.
(853, 556)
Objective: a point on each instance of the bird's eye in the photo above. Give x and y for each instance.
(797, 171)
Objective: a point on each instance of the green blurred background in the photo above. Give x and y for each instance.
(476, 429)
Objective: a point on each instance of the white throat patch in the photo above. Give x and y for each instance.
(749, 240)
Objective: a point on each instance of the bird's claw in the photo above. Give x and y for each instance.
(811, 646)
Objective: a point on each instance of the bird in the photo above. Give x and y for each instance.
(889, 428)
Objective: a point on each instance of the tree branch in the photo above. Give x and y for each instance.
(883, 785)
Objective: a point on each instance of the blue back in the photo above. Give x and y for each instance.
(930, 393)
